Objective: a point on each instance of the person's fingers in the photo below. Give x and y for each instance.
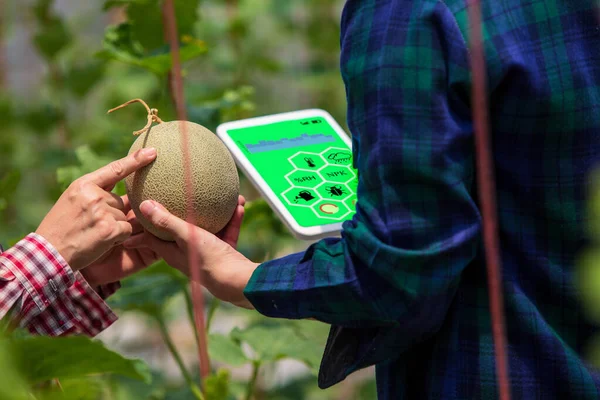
(107, 176)
(116, 214)
(135, 223)
(115, 201)
(150, 241)
(241, 200)
(164, 220)
(123, 232)
(138, 240)
(231, 232)
(126, 204)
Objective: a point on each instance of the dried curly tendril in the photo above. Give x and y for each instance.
(152, 114)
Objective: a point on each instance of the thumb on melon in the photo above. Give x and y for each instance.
(161, 218)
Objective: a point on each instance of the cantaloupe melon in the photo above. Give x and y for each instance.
(214, 174)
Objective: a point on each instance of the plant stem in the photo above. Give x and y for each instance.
(252, 383)
(190, 312)
(186, 375)
(211, 312)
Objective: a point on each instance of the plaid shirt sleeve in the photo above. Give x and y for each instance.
(40, 292)
(399, 260)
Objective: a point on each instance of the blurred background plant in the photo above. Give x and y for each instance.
(63, 64)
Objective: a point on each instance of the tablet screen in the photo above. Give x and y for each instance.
(306, 164)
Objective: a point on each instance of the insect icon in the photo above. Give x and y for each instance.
(335, 190)
(304, 195)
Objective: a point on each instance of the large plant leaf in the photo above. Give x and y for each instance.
(42, 358)
(149, 290)
(225, 350)
(119, 45)
(72, 389)
(12, 384)
(273, 342)
(148, 25)
(123, 388)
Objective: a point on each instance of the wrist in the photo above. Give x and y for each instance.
(243, 282)
(229, 286)
(89, 278)
(59, 246)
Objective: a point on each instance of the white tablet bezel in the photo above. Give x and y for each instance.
(300, 232)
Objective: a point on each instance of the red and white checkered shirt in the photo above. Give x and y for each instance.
(40, 292)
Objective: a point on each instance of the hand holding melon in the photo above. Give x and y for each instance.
(224, 271)
(215, 179)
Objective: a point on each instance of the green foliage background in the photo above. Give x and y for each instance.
(242, 58)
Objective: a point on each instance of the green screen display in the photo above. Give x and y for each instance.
(306, 164)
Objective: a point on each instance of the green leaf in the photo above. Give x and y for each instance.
(73, 389)
(149, 290)
(42, 358)
(12, 384)
(120, 46)
(217, 386)
(147, 23)
(123, 388)
(148, 26)
(225, 350)
(272, 342)
(52, 36)
(81, 79)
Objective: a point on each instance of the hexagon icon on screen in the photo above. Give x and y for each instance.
(301, 178)
(331, 209)
(307, 161)
(300, 196)
(337, 156)
(334, 191)
(336, 173)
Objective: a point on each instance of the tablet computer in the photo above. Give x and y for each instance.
(301, 162)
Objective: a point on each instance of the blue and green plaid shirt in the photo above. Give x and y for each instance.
(405, 287)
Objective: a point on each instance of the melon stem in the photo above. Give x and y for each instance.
(152, 114)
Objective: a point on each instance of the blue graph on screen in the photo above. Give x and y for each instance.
(286, 143)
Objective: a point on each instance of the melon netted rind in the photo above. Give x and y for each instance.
(215, 177)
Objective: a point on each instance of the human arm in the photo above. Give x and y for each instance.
(389, 280)
(399, 260)
(42, 282)
(41, 293)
